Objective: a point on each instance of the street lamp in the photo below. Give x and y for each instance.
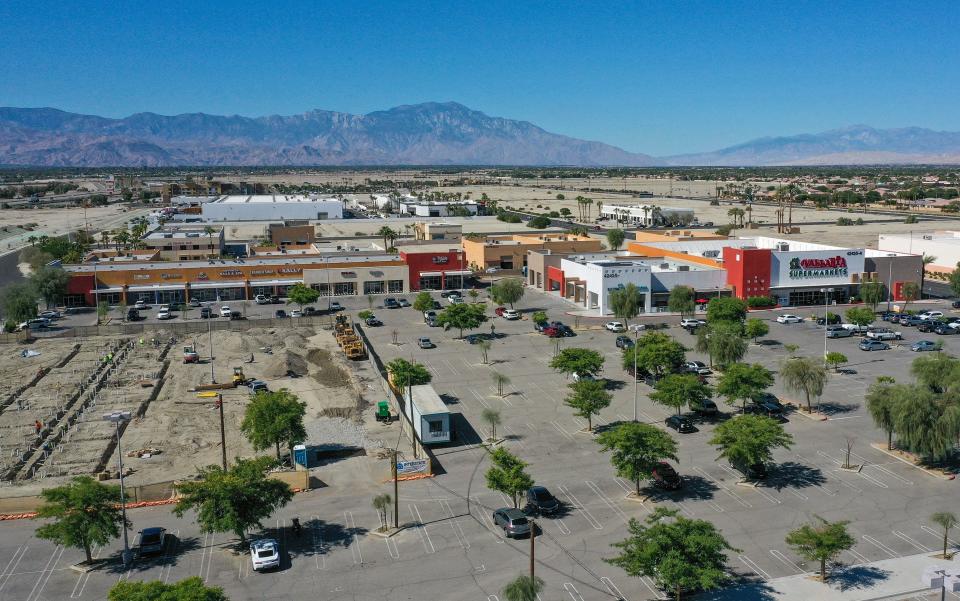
(636, 383)
(116, 417)
(826, 299)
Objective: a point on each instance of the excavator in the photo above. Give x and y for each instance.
(190, 354)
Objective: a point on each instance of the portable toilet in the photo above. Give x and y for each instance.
(300, 460)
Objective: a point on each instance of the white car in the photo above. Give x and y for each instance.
(455, 300)
(296, 313)
(577, 377)
(928, 315)
(511, 314)
(164, 314)
(616, 326)
(140, 305)
(787, 318)
(224, 311)
(265, 553)
(637, 327)
(692, 323)
(492, 269)
(884, 334)
(261, 300)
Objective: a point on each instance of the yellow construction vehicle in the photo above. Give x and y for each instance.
(238, 378)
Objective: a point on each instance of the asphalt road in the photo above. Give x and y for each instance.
(452, 551)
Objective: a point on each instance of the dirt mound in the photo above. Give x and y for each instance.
(326, 371)
(285, 362)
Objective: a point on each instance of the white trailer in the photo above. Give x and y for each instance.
(430, 417)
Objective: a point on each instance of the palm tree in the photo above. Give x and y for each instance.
(104, 238)
(492, 417)
(32, 239)
(523, 588)
(387, 234)
(209, 231)
(945, 520)
(927, 260)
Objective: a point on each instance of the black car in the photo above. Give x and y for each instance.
(944, 329)
(310, 311)
(391, 303)
(769, 400)
(275, 300)
(447, 293)
(280, 314)
(927, 326)
(955, 304)
(373, 322)
(771, 411)
(831, 320)
(680, 424)
(664, 476)
(704, 407)
(205, 313)
(133, 314)
(624, 342)
(236, 316)
(152, 540)
(539, 500)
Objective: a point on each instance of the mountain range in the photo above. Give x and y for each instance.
(422, 134)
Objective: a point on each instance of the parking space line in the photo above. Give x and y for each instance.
(203, 553)
(455, 525)
(626, 487)
(785, 560)
(392, 548)
(355, 550)
(730, 493)
(938, 535)
(866, 477)
(10, 569)
(422, 529)
(880, 546)
(881, 468)
(606, 500)
(505, 399)
(514, 436)
(857, 556)
(319, 551)
(447, 363)
(578, 505)
(561, 526)
(572, 591)
(206, 578)
(910, 541)
(480, 399)
(487, 520)
(753, 566)
(762, 493)
(612, 588)
(562, 432)
(46, 572)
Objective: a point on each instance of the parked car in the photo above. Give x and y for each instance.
(945, 329)
(194, 302)
(428, 315)
(577, 377)
(499, 311)
(624, 342)
(873, 345)
(335, 306)
(265, 554)
(206, 313)
(664, 476)
(931, 315)
(256, 386)
(883, 334)
(923, 345)
(373, 322)
(766, 409)
(637, 327)
(832, 319)
(164, 314)
(152, 540)
(540, 326)
(280, 314)
(310, 311)
(911, 320)
(955, 304)
(133, 314)
(706, 407)
(697, 367)
(541, 501)
(927, 326)
(141, 305)
(424, 342)
(236, 316)
(403, 302)
(689, 324)
(296, 313)
(224, 311)
(275, 300)
(615, 326)
(511, 314)
(896, 317)
(552, 332)
(449, 293)
(455, 300)
(838, 332)
(513, 521)
(755, 471)
(680, 424)
(492, 270)
(788, 318)
(261, 299)
(854, 328)
(770, 401)
(391, 303)
(50, 315)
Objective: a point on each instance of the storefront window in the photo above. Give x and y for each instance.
(170, 296)
(430, 282)
(203, 294)
(803, 298)
(374, 287)
(227, 294)
(111, 298)
(323, 289)
(395, 286)
(345, 289)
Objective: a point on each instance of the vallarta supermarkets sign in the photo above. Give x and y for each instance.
(818, 268)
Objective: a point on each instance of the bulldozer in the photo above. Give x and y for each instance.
(238, 378)
(190, 354)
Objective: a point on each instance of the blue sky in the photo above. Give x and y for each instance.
(657, 77)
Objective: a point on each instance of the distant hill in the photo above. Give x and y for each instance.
(422, 134)
(855, 145)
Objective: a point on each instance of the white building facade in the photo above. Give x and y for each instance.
(271, 207)
(647, 215)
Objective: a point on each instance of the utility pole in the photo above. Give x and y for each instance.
(396, 493)
(636, 340)
(533, 536)
(223, 433)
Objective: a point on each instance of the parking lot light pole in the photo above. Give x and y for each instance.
(826, 299)
(636, 339)
(116, 417)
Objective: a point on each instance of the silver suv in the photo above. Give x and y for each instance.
(838, 332)
(513, 521)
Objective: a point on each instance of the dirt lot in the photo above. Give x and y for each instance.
(179, 430)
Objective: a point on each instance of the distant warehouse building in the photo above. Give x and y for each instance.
(647, 215)
(271, 207)
(944, 247)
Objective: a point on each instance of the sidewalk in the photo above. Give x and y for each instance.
(888, 579)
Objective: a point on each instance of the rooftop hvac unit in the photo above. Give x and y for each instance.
(683, 268)
(664, 265)
(783, 246)
(928, 237)
(711, 253)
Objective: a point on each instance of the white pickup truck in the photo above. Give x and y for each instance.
(854, 328)
(884, 334)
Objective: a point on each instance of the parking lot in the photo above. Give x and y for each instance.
(452, 551)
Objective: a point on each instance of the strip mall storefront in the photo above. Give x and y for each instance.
(437, 270)
(179, 282)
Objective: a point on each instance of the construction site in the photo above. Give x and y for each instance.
(54, 403)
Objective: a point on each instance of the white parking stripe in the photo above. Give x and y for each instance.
(785, 560)
(612, 588)
(422, 529)
(864, 462)
(562, 432)
(606, 500)
(911, 541)
(572, 591)
(355, 550)
(578, 505)
(9, 569)
(753, 566)
(50, 566)
(859, 557)
(455, 524)
(880, 545)
(938, 535)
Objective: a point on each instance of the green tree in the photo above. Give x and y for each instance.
(209, 231)
(580, 361)
(802, 374)
(678, 553)
(407, 374)
(677, 390)
(955, 280)
(873, 293)
(615, 238)
(388, 235)
(484, 347)
(539, 316)
(740, 382)
(637, 448)
(235, 500)
(188, 589)
(588, 398)
(507, 474)
(492, 417)
(302, 295)
(524, 588)
(755, 328)
(945, 520)
(860, 316)
(365, 314)
(656, 353)
(50, 283)
(882, 399)
(925, 424)
(539, 222)
(835, 359)
(747, 440)
(910, 292)
(103, 309)
(682, 300)
(19, 302)
(82, 513)
(821, 542)
(507, 291)
(726, 308)
(725, 343)
(423, 302)
(500, 380)
(272, 418)
(626, 302)
(463, 316)
(939, 373)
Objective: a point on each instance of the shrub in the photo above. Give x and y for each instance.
(844, 221)
(911, 219)
(761, 301)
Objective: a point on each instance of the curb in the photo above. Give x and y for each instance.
(799, 410)
(882, 447)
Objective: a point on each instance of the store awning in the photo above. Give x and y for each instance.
(464, 272)
(155, 287)
(217, 285)
(275, 282)
(101, 290)
(429, 274)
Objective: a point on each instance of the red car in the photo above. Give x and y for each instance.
(499, 311)
(552, 332)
